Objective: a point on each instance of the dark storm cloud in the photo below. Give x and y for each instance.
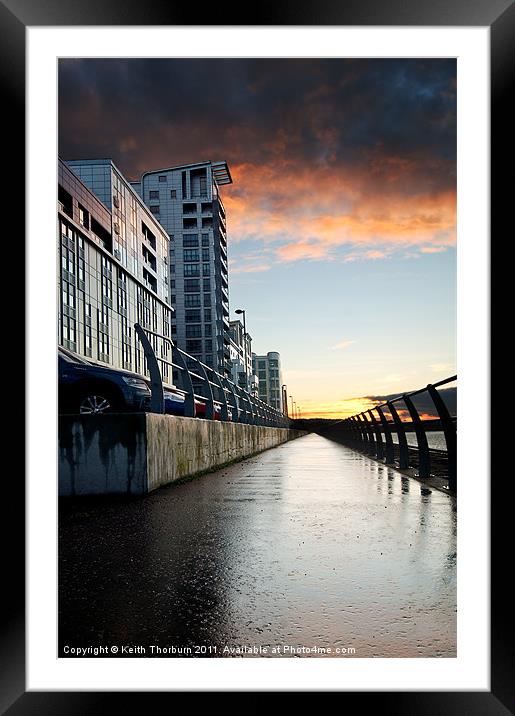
(326, 112)
(330, 158)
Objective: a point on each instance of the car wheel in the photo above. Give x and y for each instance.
(95, 404)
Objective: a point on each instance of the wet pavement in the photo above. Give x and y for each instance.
(308, 546)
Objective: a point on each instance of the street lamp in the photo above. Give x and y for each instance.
(292, 413)
(238, 312)
(284, 399)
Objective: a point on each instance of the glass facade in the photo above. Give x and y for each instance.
(103, 292)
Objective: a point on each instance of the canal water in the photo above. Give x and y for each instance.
(310, 549)
(435, 440)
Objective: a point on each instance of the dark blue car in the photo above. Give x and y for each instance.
(88, 388)
(174, 402)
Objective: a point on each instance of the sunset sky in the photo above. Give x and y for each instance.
(342, 214)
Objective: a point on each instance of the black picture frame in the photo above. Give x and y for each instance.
(15, 17)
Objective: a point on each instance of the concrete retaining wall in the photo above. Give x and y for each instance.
(137, 453)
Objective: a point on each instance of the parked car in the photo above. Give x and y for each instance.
(200, 410)
(88, 388)
(174, 402)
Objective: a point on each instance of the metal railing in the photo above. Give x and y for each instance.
(373, 434)
(222, 396)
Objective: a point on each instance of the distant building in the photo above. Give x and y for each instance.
(113, 258)
(268, 370)
(186, 201)
(241, 358)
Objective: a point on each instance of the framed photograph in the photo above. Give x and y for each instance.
(358, 143)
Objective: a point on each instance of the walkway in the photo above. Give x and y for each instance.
(306, 545)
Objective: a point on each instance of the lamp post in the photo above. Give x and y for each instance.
(238, 312)
(292, 413)
(284, 399)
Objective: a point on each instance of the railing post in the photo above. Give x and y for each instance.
(449, 431)
(223, 398)
(210, 405)
(424, 459)
(361, 433)
(236, 404)
(157, 400)
(379, 437)
(401, 434)
(189, 401)
(357, 435)
(371, 443)
(389, 457)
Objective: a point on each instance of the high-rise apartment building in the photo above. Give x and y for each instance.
(268, 370)
(241, 353)
(241, 358)
(186, 201)
(113, 258)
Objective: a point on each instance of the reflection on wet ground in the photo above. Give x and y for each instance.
(308, 545)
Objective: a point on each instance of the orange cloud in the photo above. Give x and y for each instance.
(302, 250)
(342, 344)
(250, 268)
(433, 249)
(311, 212)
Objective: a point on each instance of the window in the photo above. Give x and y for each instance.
(207, 299)
(192, 316)
(189, 208)
(83, 217)
(190, 240)
(153, 195)
(188, 223)
(149, 236)
(261, 364)
(205, 254)
(207, 284)
(192, 300)
(193, 346)
(205, 239)
(82, 271)
(208, 330)
(207, 315)
(191, 270)
(173, 298)
(163, 178)
(208, 345)
(206, 269)
(191, 255)
(262, 375)
(173, 194)
(193, 331)
(191, 286)
(154, 208)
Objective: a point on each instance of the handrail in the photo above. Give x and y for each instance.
(236, 404)
(364, 432)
